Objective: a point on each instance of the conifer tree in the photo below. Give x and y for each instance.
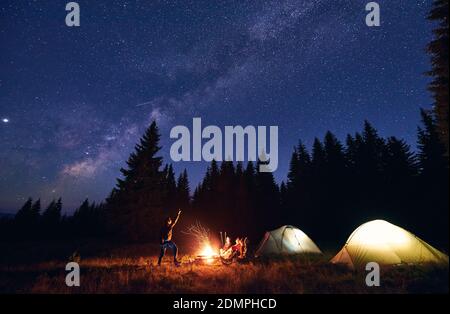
(170, 190)
(434, 181)
(183, 191)
(267, 199)
(24, 212)
(431, 152)
(438, 49)
(136, 204)
(36, 212)
(51, 219)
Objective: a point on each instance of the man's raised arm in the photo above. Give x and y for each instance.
(178, 217)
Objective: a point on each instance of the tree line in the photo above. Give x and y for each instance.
(334, 187)
(32, 222)
(330, 189)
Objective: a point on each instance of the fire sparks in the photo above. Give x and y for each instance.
(206, 252)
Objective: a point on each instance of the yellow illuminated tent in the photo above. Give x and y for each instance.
(382, 242)
(286, 240)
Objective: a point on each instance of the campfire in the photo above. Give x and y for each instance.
(206, 252)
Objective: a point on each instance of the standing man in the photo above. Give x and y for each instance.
(166, 239)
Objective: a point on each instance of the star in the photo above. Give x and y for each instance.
(5, 120)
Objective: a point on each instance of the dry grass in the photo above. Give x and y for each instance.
(281, 275)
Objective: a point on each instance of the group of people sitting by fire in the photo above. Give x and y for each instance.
(239, 249)
(227, 252)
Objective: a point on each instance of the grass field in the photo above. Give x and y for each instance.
(125, 271)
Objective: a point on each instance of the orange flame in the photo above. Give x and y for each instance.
(208, 253)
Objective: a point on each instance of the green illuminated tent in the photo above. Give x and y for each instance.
(286, 240)
(386, 244)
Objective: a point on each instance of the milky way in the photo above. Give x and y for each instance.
(74, 101)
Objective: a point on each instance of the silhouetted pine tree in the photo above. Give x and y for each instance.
(434, 180)
(251, 213)
(24, 220)
(210, 199)
(183, 191)
(369, 168)
(334, 157)
(136, 204)
(51, 220)
(170, 190)
(438, 48)
(196, 200)
(284, 212)
(226, 210)
(305, 182)
(36, 212)
(24, 212)
(318, 188)
(267, 200)
(240, 212)
(400, 163)
(298, 186)
(80, 220)
(432, 161)
(293, 176)
(334, 189)
(27, 220)
(400, 182)
(354, 181)
(298, 204)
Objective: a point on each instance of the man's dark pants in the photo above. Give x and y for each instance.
(168, 245)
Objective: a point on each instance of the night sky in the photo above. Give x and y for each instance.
(74, 101)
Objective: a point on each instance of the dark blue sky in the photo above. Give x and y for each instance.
(78, 99)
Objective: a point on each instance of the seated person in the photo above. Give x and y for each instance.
(226, 250)
(240, 247)
(237, 246)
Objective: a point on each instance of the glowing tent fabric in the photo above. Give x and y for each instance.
(286, 240)
(382, 242)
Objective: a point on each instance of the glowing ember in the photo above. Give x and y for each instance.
(207, 254)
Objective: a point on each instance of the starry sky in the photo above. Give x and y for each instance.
(74, 101)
